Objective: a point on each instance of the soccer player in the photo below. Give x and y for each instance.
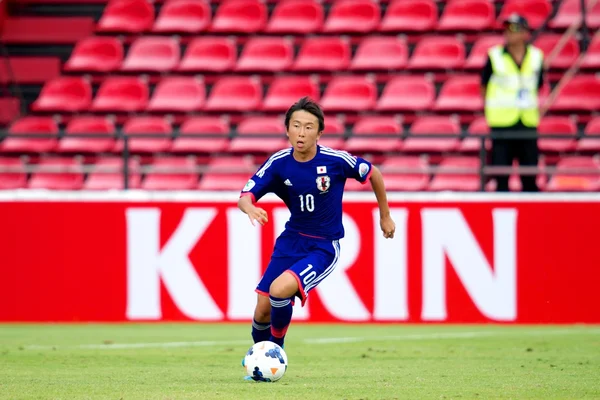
(310, 179)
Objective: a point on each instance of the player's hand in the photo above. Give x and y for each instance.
(388, 227)
(259, 215)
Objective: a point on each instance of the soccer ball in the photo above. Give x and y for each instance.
(266, 362)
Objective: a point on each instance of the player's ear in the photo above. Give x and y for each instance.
(319, 134)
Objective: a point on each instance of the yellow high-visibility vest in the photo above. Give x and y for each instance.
(512, 93)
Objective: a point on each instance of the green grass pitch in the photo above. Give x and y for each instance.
(202, 361)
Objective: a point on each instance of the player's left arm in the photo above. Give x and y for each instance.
(386, 223)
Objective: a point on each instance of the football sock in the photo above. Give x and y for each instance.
(281, 316)
(260, 331)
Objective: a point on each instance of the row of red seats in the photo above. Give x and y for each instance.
(453, 173)
(275, 54)
(216, 130)
(238, 94)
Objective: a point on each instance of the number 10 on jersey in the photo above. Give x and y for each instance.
(307, 201)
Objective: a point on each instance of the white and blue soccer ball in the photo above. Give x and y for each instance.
(265, 362)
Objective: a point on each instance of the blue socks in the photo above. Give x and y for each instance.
(260, 331)
(281, 316)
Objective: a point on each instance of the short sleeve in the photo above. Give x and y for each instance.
(261, 183)
(357, 168)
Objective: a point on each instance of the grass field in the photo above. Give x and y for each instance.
(195, 361)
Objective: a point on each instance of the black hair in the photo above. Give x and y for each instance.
(307, 105)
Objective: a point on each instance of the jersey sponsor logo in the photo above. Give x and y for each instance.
(287, 182)
(249, 185)
(323, 183)
(321, 170)
(363, 170)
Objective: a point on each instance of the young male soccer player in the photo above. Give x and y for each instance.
(310, 179)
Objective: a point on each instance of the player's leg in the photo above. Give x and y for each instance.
(281, 292)
(261, 325)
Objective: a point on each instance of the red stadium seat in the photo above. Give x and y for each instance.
(266, 54)
(357, 16)
(152, 54)
(569, 12)
(108, 174)
(216, 130)
(96, 54)
(381, 134)
(155, 126)
(272, 126)
(227, 173)
(333, 135)
(185, 16)
(468, 15)
(410, 16)
(569, 177)
(455, 179)
(171, 174)
(127, 16)
(409, 181)
(323, 54)
(13, 179)
(567, 55)
(460, 93)
(64, 94)
(407, 93)
(591, 141)
(51, 30)
(121, 94)
(479, 52)
(286, 90)
(380, 53)
(472, 144)
(556, 125)
(89, 126)
(240, 16)
(64, 175)
(536, 11)
(437, 125)
(349, 93)
(29, 70)
(591, 59)
(211, 54)
(235, 93)
(581, 93)
(178, 94)
(31, 126)
(296, 16)
(438, 53)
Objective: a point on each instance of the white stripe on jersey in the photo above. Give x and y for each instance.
(328, 270)
(341, 154)
(276, 156)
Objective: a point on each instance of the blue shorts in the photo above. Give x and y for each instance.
(309, 260)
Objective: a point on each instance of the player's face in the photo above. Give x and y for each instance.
(303, 131)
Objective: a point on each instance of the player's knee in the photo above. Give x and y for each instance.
(279, 290)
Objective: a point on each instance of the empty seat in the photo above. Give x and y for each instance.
(57, 174)
(479, 52)
(460, 93)
(154, 126)
(21, 29)
(569, 12)
(582, 92)
(575, 174)
(227, 173)
(591, 140)
(96, 54)
(323, 54)
(121, 94)
(591, 59)
(457, 174)
(296, 16)
(274, 127)
(414, 178)
(185, 16)
(97, 126)
(556, 125)
(211, 54)
(472, 143)
(266, 54)
(240, 16)
(29, 70)
(64, 94)
(127, 16)
(333, 134)
(31, 126)
(407, 93)
(380, 53)
(235, 94)
(410, 16)
(178, 94)
(152, 54)
(10, 109)
(108, 174)
(171, 174)
(381, 134)
(472, 15)
(434, 125)
(535, 11)
(565, 57)
(215, 130)
(12, 175)
(349, 93)
(360, 16)
(286, 90)
(438, 53)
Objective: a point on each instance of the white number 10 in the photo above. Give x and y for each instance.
(309, 199)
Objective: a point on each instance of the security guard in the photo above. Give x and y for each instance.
(510, 81)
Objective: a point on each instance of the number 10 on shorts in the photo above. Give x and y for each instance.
(310, 276)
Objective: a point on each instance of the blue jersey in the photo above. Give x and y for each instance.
(312, 190)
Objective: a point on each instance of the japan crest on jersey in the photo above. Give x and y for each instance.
(323, 183)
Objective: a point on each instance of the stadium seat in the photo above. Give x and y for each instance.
(581, 93)
(355, 16)
(216, 130)
(471, 143)
(272, 54)
(286, 90)
(296, 16)
(88, 126)
(227, 173)
(209, 54)
(253, 126)
(64, 175)
(407, 181)
(333, 135)
(155, 126)
(235, 93)
(410, 16)
(378, 133)
(349, 93)
(108, 174)
(121, 94)
(51, 30)
(467, 15)
(240, 16)
(575, 174)
(96, 54)
(380, 53)
(407, 93)
(591, 59)
(127, 16)
(556, 125)
(30, 126)
(569, 12)
(433, 125)
(171, 173)
(178, 94)
(152, 54)
(183, 16)
(479, 52)
(14, 179)
(462, 174)
(567, 55)
(323, 54)
(64, 94)
(536, 11)
(437, 52)
(29, 70)
(10, 109)
(460, 93)
(590, 142)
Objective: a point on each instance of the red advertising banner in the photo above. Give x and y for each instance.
(455, 259)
